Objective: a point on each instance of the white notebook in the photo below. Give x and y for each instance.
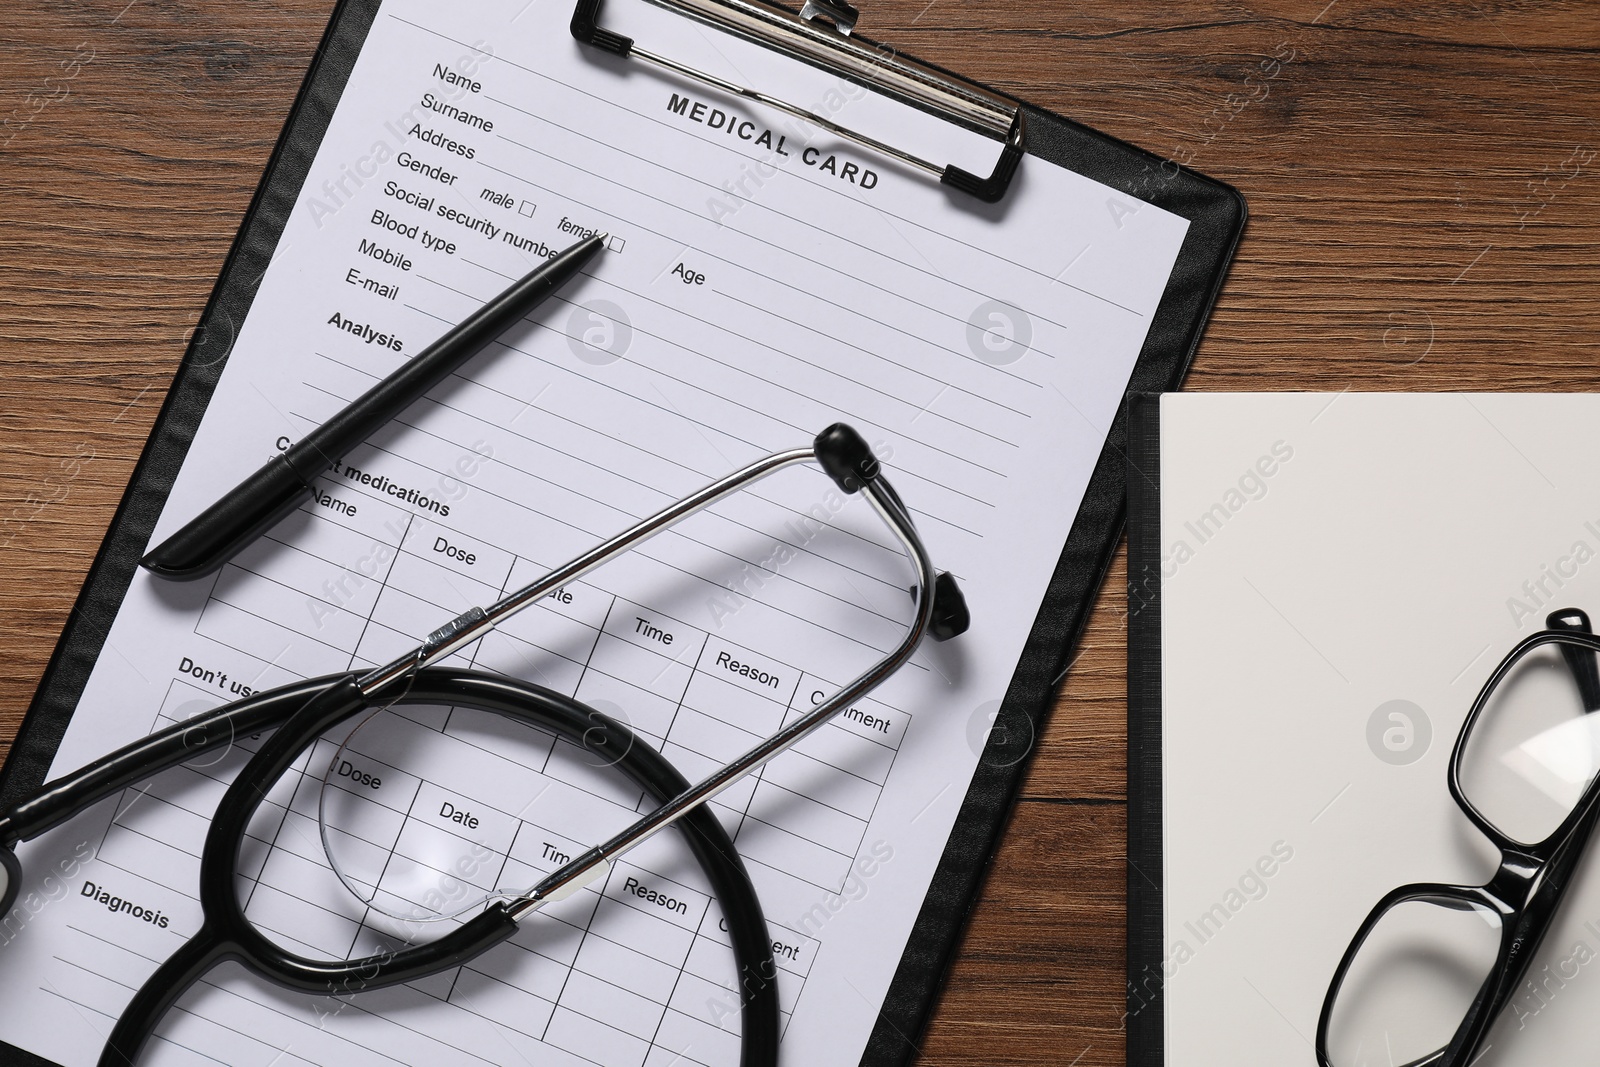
(1320, 584)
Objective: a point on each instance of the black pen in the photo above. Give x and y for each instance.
(211, 538)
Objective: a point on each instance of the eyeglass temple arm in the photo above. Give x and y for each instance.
(1581, 661)
(1560, 867)
(1535, 920)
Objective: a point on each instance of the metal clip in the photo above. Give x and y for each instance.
(843, 15)
(452, 635)
(821, 35)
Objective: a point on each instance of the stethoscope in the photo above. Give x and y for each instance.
(304, 711)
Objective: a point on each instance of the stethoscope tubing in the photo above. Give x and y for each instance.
(302, 712)
(59, 800)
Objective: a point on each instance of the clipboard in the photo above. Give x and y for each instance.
(822, 35)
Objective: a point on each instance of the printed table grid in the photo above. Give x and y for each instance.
(630, 661)
(640, 983)
(576, 969)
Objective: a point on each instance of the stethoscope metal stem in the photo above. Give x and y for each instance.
(474, 623)
(594, 863)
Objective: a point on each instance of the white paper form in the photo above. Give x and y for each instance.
(762, 283)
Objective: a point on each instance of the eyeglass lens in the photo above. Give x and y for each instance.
(1534, 749)
(1412, 982)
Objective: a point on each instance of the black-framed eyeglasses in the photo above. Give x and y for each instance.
(1433, 965)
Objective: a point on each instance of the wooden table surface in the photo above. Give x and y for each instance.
(1425, 196)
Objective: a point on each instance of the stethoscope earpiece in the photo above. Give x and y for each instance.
(10, 880)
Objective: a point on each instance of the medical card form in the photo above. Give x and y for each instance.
(762, 280)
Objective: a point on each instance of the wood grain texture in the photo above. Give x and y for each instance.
(1425, 215)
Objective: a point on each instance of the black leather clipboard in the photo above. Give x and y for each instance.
(1216, 214)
